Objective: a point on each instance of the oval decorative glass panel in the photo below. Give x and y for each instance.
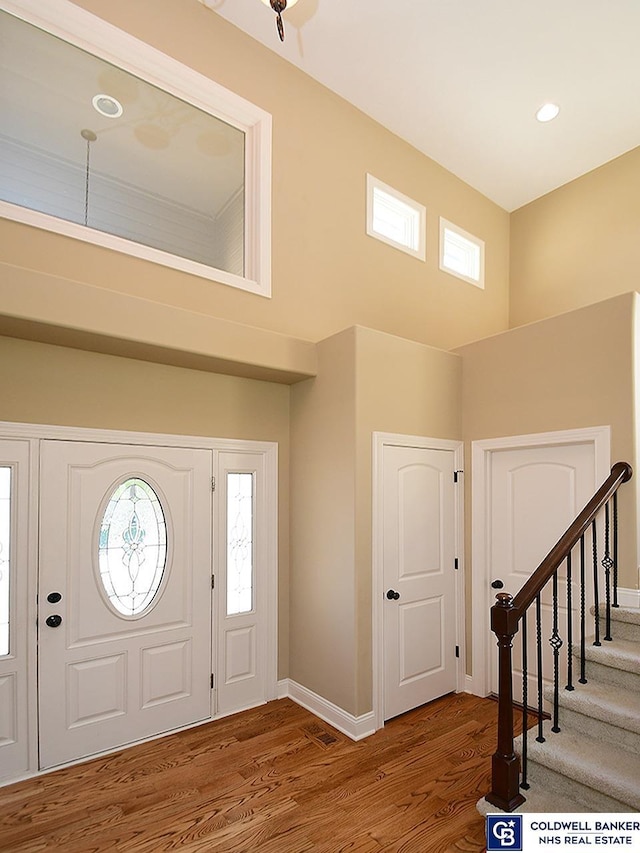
(132, 551)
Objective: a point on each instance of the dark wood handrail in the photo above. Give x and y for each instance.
(621, 472)
(506, 614)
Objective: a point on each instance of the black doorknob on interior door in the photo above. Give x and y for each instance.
(392, 595)
(54, 621)
(497, 584)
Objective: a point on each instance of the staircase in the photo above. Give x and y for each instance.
(593, 763)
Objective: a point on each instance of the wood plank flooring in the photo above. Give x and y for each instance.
(271, 780)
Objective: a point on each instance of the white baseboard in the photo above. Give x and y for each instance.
(628, 597)
(353, 727)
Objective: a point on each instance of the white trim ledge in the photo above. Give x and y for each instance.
(628, 597)
(353, 727)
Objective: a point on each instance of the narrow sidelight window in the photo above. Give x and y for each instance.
(240, 518)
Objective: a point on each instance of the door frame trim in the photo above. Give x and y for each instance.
(34, 433)
(379, 441)
(599, 437)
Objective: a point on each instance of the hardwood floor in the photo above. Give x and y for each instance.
(271, 780)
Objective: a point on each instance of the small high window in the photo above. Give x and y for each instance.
(461, 254)
(395, 218)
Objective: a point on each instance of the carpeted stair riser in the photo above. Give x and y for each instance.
(602, 713)
(599, 730)
(603, 769)
(609, 675)
(623, 630)
(544, 778)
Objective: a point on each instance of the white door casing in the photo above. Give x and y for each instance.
(14, 685)
(415, 550)
(526, 490)
(105, 679)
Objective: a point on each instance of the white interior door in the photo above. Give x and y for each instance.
(124, 594)
(535, 494)
(419, 576)
(14, 491)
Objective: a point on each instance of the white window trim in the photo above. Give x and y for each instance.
(420, 209)
(84, 30)
(445, 224)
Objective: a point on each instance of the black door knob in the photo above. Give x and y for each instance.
(392, 595)
(54, 621)
(54, 597)
(497, 584)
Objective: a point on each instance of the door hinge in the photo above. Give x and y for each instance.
(213, 581)
(213, 681)
(456, 565)
(455, 475)
(457, 651)
(213, 484)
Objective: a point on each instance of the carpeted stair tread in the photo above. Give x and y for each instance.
(609, 769)
(613, 705)
(621, 614)
(623, 654)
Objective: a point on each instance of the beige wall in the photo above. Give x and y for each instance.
(327, 274)
(322, 581)
(54, 385)
(401, 387)
(571, 371)
(367, 381)
(578, 244)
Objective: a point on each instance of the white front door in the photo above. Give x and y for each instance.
(419, 576)
(124, 595)
(535, 494)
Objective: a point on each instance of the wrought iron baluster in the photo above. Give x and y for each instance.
(615, 550)
(556, 644)
(607, 563)
(541, 738)
(596, 588)
(525, 696)
(583, 609)
(569, 685)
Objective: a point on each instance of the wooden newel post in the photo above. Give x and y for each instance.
(505, 766)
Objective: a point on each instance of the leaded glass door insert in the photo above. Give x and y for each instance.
(132, 551)
(239, 543)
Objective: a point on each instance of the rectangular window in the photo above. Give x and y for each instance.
(5, 536)
(240, 516)
(461, 254)
(395, 218)
(160, 163)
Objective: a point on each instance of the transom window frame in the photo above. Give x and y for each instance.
(82, 29)
(467, 237)
(414, 214)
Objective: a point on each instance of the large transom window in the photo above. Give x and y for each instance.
(167, 166)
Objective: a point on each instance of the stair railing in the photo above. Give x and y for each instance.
(508, 614)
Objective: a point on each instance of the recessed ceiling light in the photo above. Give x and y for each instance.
(547, 112)
(107, 106)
